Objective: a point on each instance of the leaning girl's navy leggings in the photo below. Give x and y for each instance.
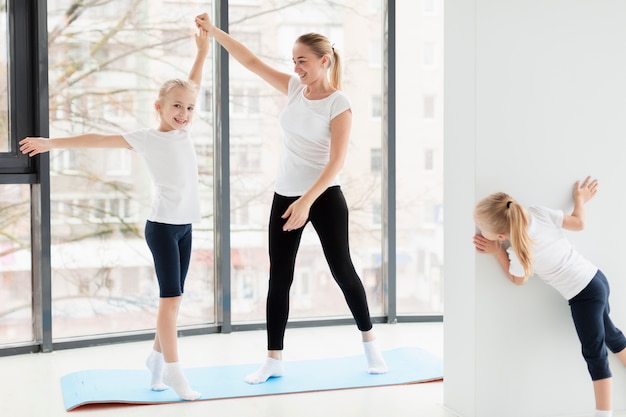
(596, 331)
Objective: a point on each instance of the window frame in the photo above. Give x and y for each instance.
(16, 168)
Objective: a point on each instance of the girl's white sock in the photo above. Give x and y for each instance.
(603, 413)
(156, 364)
(173, 376)
(375, 361)
(271, 368)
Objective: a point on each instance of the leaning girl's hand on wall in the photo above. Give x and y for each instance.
(484, 245)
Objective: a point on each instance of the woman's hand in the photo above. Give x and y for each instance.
(204, 22)
(296, 214)
(484, 245)
(34, 146)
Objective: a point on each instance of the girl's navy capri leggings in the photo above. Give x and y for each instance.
(596, 331)
(170, 245)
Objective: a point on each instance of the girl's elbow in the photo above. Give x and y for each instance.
(519, 281)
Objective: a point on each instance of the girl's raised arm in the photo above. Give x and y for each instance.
(33, 145)
(202, 45)
(582, 193)
(277, 79)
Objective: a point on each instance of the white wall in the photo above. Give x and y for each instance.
(535, 98)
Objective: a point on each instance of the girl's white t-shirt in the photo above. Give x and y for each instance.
(554, 258)
(171, 160)
(306, 138)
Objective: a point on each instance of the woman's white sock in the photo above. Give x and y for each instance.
(375, 361)
(271, 368)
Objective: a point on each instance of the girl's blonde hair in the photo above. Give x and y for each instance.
(169, 85)
(499, 213)
(320, 45)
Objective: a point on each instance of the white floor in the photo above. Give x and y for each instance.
(30, 386)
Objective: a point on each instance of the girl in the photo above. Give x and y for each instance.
(316, 125)
(171, 159)
(538, 245)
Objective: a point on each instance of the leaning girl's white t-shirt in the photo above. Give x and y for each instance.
(306, 138)
(171, 160)
(554, 258)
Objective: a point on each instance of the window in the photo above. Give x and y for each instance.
(15, 270)
(240, 215)
(4, 85)
(430, 7)
(63, 161)
(429, 107)
(244, 102)
(419, 172)
(377, 214)
(429, 159)
(376, 106)
(16, 68)
(246, 158)
(103, 74)
(106, 81)
(375, 6)
(314, 293)
(375, 54)
(376, 160)
(430, 55)
(205, 100)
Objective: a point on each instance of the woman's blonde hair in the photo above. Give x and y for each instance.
(500, 213)
(320, 45)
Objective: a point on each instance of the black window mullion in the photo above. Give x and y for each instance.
(28, 115)
(389, 162)
(221, 145)
(22, 53)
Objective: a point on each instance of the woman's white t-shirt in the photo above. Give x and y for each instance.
(306, 138)
(554, 258)
(171, 160)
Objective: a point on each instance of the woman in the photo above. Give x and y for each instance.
(316, 126)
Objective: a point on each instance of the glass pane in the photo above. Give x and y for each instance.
(4, 73)
(270, 30)
(108, 60)
(16, 320)
(419, 116)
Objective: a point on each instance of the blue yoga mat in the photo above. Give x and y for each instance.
(130, 386)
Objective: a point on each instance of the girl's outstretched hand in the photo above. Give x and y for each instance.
(202, 41)
(585, 191)
(484, 245)
(34, 146)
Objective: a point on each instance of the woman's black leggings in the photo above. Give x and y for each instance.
(329, 217)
